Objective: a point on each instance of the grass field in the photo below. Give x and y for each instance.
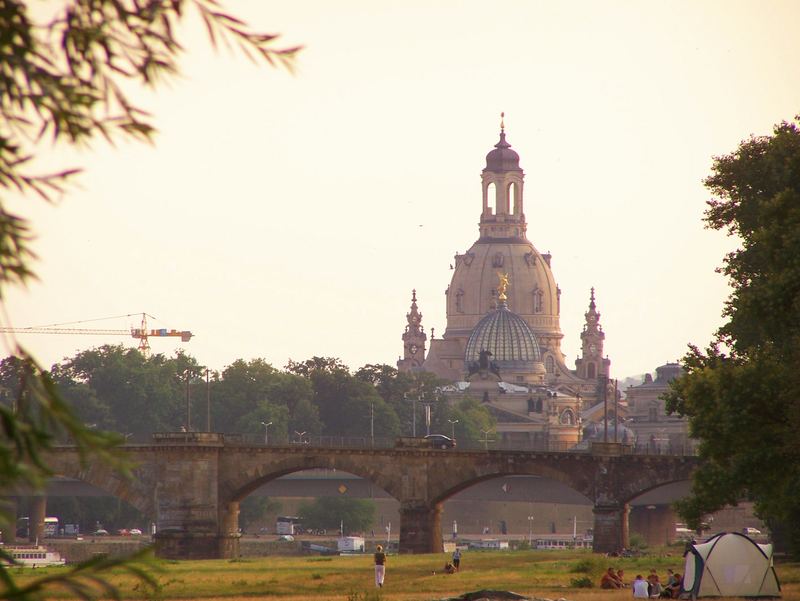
(545, 574)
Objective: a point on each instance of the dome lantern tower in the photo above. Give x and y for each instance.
(502, 216)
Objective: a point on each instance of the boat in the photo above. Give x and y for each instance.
(34, 556)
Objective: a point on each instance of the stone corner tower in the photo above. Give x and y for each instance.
(414, 339)
(591, 365)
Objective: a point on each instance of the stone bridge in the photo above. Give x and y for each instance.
(193, 484)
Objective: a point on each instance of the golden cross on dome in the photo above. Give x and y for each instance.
(501, 289)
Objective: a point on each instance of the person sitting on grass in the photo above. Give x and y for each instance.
(609, 579)
(449, 568)
(673, 591)
(639, 587)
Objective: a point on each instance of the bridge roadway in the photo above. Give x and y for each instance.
(193, 483)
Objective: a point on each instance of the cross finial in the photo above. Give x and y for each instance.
(502, 121)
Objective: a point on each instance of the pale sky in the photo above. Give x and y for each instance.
(284, 216)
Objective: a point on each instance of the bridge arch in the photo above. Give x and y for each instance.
(559, 471)
(256, 469)
(136, 490)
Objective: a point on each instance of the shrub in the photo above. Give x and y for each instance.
(583, 582)
(589, 565)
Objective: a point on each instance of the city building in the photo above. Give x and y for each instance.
(502, 341)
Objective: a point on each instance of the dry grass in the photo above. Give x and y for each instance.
(408, 578)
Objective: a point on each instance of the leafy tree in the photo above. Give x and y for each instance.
(254, 511)
(305, 368)
(117, 388)
(64, 79)
(357, 515)
(740, 394)
(346, 403)
(399, 389)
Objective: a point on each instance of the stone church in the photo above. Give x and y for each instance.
(502, 343)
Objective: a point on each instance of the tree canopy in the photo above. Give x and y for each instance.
(740, 393)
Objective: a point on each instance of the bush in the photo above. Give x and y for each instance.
(589, 565)
(583, 582)
(637, 542)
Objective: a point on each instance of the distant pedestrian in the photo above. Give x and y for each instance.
(456, 559)
(380, 566)
(640, 588)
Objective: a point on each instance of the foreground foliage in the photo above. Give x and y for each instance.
(741, 393)
(63, 73)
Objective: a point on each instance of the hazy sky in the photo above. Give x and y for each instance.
(283, 216)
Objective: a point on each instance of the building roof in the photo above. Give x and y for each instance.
(506, 336)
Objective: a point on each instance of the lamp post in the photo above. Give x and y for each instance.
(530, 531)
(413, 413)
(485, 440)
(266, 432)
(453, 423)
(427, 418)
(187, 374)
(208, 402)
(300, 436)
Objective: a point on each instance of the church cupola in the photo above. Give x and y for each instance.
(414, 339)
(502, 216)
(591, 364)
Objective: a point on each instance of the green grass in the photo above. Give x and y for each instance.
(551, 574)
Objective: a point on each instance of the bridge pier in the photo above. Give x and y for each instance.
(228, 540)
(38, 511)
(610, 527)
(420, 527)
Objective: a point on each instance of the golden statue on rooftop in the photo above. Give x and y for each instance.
(501, 289)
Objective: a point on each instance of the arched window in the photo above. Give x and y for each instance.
(591, 374)
(652, 413)
(491, 199)
(538, 300)
(567, 417)
(460, 301)
(549, 364)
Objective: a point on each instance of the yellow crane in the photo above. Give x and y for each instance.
(143, 333)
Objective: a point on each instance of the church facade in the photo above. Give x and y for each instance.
(502, 342)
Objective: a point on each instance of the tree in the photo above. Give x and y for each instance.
(740, 394)
(357, 515)
(64, 80)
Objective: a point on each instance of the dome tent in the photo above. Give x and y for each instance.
(729, 565)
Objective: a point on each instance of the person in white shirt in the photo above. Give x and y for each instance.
(640, 587)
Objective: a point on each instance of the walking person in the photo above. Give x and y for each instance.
(380, 566)
(456, 559)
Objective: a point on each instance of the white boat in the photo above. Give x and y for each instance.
(34, 556)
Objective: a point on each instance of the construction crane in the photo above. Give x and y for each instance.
(143, 333)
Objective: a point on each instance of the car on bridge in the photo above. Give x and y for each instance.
(440, 441)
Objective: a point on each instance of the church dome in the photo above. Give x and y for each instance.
(507, 336)
(502, 158)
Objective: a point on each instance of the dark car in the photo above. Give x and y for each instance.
(440, 441)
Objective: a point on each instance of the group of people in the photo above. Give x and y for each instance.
(649, 588)
(451, 567)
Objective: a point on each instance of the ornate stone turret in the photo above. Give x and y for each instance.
(414, 339)
(591, 364)
(503, 180)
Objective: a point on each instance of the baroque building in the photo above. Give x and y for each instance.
(502, 342)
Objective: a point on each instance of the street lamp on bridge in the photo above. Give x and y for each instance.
(453, 423)
(266, 432)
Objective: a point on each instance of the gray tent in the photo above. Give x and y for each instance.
(729, 565)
